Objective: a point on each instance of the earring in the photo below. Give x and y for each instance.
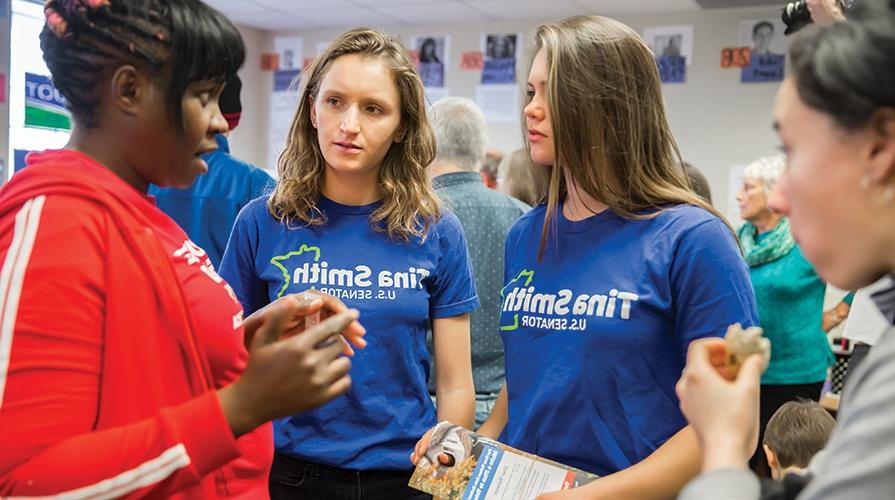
(889, 194)
(864, 183)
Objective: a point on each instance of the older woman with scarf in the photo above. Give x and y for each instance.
(790, 299)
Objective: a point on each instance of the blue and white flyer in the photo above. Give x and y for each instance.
(461, 465)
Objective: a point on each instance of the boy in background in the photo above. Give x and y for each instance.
(795, 433)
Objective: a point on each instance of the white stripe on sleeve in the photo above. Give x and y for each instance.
(12, 276)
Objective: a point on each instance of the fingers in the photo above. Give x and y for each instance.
(330, 303)
(354, 334)
(326, 330)
(750, 371)
(314, 300)
(273, 321)
(704, 352)
(339, 387)
(446, 460)
(421, 446)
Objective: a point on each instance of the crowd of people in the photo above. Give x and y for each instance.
(177, 324)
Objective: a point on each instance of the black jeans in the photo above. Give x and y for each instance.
(292, 478)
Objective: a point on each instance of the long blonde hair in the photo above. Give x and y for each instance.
(609, 127)
(409, 204)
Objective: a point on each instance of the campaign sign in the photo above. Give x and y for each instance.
(282, 79)
(672, 69)
(764, 68)
(44, 104)
(432, 74)
(19, 159)
(499, 71)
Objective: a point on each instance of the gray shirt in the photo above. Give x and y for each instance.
(859, 459)
(486, 216)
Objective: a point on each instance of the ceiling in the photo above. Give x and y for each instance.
(282, 15)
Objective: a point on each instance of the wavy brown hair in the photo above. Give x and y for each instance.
(409, 204)
(609, 126)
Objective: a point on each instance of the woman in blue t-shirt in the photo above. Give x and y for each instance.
(355, 216)
(608, 282)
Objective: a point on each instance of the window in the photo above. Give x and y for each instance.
(26, 57)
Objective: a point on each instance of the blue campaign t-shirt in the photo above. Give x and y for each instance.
(207, 210)
(398, 288)
(596, 332)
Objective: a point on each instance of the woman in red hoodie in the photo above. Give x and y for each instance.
(123, 367)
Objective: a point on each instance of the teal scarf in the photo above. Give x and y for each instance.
(774, 245)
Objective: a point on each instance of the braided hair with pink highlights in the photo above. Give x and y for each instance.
(176, 42)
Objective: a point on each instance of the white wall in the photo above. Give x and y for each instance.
(5, 16)
(717, 121)
(249, 141)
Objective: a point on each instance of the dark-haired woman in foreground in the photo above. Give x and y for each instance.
(123, 371)
(836, 120)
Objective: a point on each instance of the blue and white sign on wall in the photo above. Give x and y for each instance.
(44, 104)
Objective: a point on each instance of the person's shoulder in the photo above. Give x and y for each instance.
(65, 219)
(533, 215)
(686, 217)
(235, 166)
(685, 213)
(79, 210)
(691, 225)
(531, 219)
(256, 209)
(446, 222)
(503, 200)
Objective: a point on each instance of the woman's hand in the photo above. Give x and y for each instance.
(825, 12)
(420, 450)
(721, 405)
(286, 376)
(302, 305)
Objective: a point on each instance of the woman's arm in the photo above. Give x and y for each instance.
(661, 475)
(837, 314)
(493, 426)
(454, 390)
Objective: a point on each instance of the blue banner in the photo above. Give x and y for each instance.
(764, 68)
(44, 104)
(498, 71)
(672, 69)
(282, 80)
(432, 74)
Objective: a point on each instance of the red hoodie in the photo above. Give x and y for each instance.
(114, 332)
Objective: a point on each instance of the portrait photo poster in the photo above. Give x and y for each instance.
(434, 56)
(291, 51)
(670, 41)
(768, 46)
(501, 52)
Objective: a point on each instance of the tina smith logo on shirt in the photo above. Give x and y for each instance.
(345, 283)
(520, 296)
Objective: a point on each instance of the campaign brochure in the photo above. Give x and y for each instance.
(483, 469)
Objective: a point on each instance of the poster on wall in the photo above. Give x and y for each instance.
(673, 48)
(291, 51)
(283, 100)
(433, 52)
(671, 41)
(767, 47)
(501, 52)
(44, 104)
(283, 103)
(499, 103)
(19, 161)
